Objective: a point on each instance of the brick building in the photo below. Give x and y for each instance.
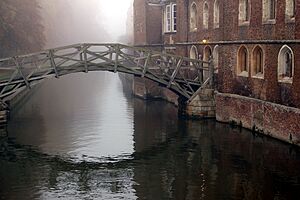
(255, 47)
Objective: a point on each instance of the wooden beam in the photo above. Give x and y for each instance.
(117, 51)
(19, 68)
(146, 65)
(175, 72)
(51, 56)
(85, 61)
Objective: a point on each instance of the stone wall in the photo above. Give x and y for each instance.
(271, 119)
(201, 106)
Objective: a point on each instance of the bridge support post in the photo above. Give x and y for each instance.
(202, 104)
(201, 107)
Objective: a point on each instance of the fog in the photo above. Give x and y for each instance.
(77, 21)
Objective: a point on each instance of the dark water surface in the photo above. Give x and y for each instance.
(80, 137)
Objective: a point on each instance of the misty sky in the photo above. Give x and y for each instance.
(115, 15)
(77, 21)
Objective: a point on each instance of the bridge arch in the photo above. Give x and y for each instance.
(174, 72)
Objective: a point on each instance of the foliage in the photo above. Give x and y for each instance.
(21, 29)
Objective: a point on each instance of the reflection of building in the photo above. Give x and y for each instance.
(151, 124)
(214, 161)
(254, 45)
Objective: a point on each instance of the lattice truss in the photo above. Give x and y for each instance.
(182, 75)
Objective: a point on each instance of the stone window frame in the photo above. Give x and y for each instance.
(205, 20)
(193, 53)
(290, 11)
(193, 25)
(240, 68)
(216, 14)
(244, 8)
(170, 18)
(254, 71)
(215, 55)
(195, 50)
(281, 69)
(267, 8)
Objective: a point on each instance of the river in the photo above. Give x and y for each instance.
(82, 137)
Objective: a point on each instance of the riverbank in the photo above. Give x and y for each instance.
(274, 120)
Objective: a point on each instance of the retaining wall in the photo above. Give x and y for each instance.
(271, 119)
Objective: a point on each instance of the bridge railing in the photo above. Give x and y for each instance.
(182, 75)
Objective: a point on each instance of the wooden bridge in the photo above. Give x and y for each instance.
(182, 75)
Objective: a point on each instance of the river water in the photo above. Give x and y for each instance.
(81, 137)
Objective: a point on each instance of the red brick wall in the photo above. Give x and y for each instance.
(139, 18)
(266, 115)
(297, 22)
(266, 89)
(268, 118)
(147, 23)
(182, 22)
(148, 29)
(154, 25)
(296, 78)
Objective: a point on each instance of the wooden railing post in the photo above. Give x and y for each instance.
(117, 51)
(85, 47)
(53, 64)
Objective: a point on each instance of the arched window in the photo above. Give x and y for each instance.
(257, 62)
(207, 53)
(216, 14)
(193, 53)
(269, 10)
(205, 16)
(244, 11)
(290, 9)
(285, 64)
(193, 17)
(242, 62)
(216, 58)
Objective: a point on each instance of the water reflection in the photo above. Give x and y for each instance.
(154, 123)
(80, 115)
(213, 161)
(105, 145)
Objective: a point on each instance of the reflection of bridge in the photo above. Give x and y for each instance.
(182, 75)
